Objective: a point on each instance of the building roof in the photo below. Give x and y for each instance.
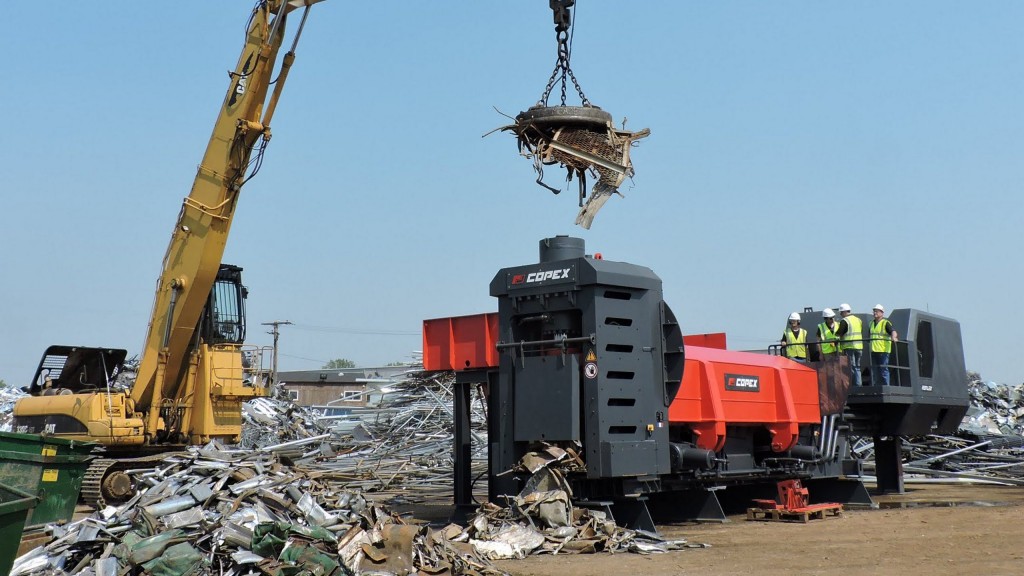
(343, 375)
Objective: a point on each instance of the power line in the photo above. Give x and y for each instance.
(362, 331)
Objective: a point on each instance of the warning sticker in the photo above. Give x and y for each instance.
(590, 370)
(49, 450)
(591, 357)
(50, 475)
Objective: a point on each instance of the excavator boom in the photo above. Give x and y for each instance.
(194, 372)
(197, 243)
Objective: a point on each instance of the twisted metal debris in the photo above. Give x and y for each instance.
(542, 519)
(581, 145)
(237, 512)
(988, 447)
(581, 138)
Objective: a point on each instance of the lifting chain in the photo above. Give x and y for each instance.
(563, 21)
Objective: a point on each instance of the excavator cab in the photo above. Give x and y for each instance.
(224, 317)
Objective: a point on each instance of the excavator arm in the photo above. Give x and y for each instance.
(193, 257)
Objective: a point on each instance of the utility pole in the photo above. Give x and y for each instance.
(273, 369)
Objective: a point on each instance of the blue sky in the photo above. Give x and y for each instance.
(801, 154)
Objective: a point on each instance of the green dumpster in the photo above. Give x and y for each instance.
(14, 507)
(44, 445)
(49, 468)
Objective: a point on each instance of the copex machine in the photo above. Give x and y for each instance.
(584, 353)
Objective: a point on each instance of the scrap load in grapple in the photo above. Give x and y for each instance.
(581, 138)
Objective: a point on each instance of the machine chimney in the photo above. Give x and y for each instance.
(561, 248)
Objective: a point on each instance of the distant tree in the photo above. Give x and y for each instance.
(395, 364)
(339, 363)
(2, 383)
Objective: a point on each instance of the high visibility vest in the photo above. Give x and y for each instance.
(828, 338)
(796, 344)
(880, 339)
(854, 334)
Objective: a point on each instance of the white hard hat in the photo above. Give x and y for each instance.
(879, 307)
(794, 316)
(828, 313)
(844, 307)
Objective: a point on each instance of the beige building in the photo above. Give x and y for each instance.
(338, 387)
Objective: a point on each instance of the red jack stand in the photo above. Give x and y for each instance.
(791, 505)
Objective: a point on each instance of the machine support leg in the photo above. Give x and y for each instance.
(696, 504)
(889, 465)
(846, 491)
(632, 513)
(463, 445)
(501, 455)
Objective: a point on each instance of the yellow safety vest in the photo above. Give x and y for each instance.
(852, 340)
(796, 344)
(880, 339)
(828, 337)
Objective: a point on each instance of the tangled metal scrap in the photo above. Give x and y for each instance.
(541, 519)
(989, 446)
(242, 512)
(581, 139)
(245, 512)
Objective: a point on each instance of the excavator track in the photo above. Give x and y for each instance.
(105, 481)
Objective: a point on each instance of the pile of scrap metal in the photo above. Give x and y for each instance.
(988, 447)
(242, 512)
(541, 519)
(8, 396)
(268, 421)
(995, 408)
(400, 450)
(992, 459)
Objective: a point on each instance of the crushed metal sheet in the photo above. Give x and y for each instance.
(259, 527)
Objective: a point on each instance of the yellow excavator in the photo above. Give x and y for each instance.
(194, 372)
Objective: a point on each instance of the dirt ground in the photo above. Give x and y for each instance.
(932, 529)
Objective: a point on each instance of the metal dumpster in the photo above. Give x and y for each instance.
(14, 508)
(49, 468)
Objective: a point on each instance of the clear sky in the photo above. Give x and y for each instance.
(802, 154)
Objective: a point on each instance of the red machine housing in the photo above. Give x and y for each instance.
(723, 388)
(720, 388)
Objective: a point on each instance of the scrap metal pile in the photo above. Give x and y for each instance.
(399, 448)
(234, 512)
(243, 512)
(542, 518)
(989, 446)
(995, 408)
(8, 396)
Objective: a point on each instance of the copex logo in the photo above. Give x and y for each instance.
(742, 382)
(561, 275)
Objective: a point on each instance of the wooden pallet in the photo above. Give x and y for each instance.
(813, 512)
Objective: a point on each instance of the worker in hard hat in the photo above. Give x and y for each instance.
(882, 337)
(794, 340)
(828, 342)
(851, 341)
